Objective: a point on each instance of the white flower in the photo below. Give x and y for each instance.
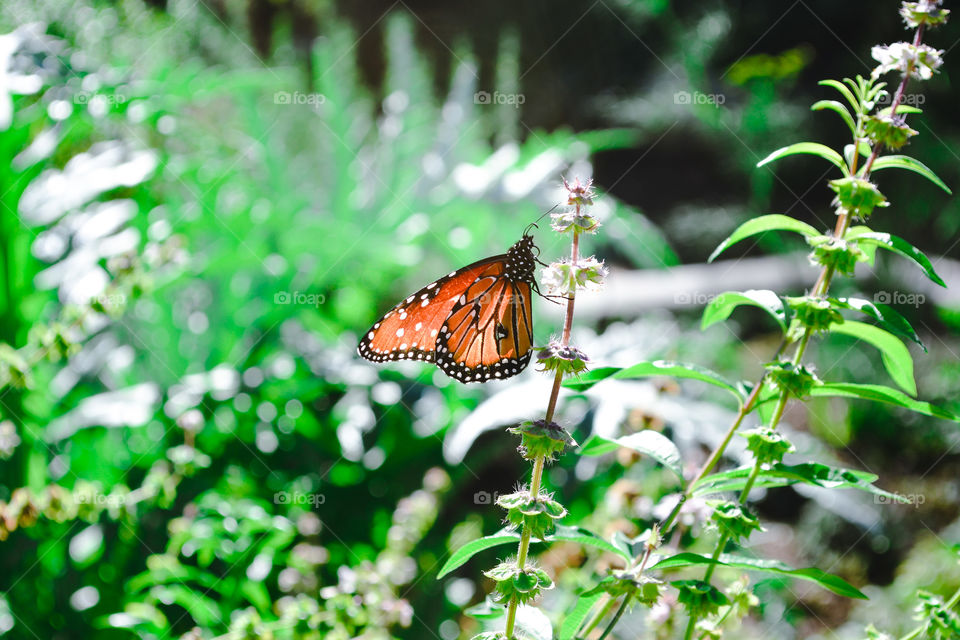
(921, 61)
(563, 278)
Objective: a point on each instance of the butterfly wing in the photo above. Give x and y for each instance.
(489, 331)
(409, 330)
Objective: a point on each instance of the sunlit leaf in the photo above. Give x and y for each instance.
(782, 475)
(577, 616)
(885, 316)
(837, 107)
(770, 222)
(723, 305)
(814, 148)
(904, 248)
(828, 581)
(649, 443)
(896, 357)
(910, 164)
(882, 394)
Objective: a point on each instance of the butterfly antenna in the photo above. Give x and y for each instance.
(526, 231)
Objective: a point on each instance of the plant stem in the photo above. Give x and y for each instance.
(616, 618)
(600, 615)
(820, 290)
(537, 475)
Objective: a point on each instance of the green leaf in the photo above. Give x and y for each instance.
(826, 580)
(486, 610)
(896, 357)
(885, 316)
(770, 222)
(899, 245)
(842, 88)
(782, 475)
(829, 581)
(582, 536)
(472, 548)
(584, 381)
(910, 164)
(814, 148)
(903, 108)
(650, 443)
(841, 110)
(723, 305)
(679, 370)
(880, 393)
(654, 369)
(579, 614)
(506, 536)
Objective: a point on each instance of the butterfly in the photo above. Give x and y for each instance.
(475, 323)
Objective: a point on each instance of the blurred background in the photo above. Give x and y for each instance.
(205, 203)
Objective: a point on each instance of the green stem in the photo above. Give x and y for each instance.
(600, 615)
(537, 475)
(616, 618)
(524, 547)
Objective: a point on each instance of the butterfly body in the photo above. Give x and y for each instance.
(475, 323)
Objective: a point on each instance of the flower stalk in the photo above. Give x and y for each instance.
(533, 511)
(908, 67)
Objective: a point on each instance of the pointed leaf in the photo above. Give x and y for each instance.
(910, 164)
(650, 443)
(902, 108)
(829, 581)
(839, 86)
(586, 380)
(814, 148)
(576, 617)
(904, 248)
(782, 475)
(486, 610)
(885, 316)
(582, 536)
(723, 305)
(770, 222)
(896, 357)
(882, 394)
(826, 580)
(841, 110)
(655, 369)
(472, 548)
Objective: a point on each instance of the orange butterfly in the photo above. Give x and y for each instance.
(475, 323)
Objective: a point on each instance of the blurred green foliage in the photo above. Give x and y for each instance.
(188, 444)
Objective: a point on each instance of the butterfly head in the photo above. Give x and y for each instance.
(521, 261)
